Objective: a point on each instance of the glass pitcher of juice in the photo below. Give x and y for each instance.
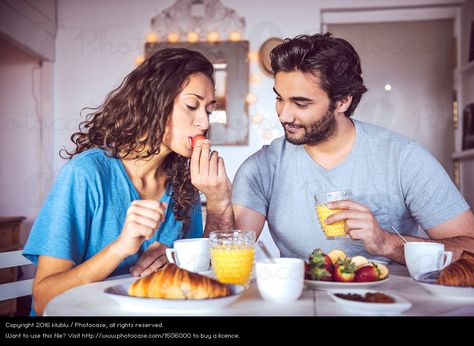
(336, 229)
(232, 256)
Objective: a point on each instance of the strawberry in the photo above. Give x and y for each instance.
(367, 273)
(321, 274)
(197, 138)
(344, 271)
(307, 271)
(321, 266)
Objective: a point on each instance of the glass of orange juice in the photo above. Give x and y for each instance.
(336, 229)
(232, 256)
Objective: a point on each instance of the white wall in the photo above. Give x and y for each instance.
(97, 42)
(416, 59)
(27, 39)
(25, 173)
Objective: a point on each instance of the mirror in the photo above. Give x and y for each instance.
(229, 121)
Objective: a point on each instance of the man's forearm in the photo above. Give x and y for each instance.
(395, 250)
(220, 217)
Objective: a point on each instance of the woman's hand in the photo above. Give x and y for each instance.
(151, 260)
(208, 174)
(143, 219)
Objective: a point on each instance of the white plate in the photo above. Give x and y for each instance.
(428, 281)
(365, 308)
(329, 285)
(119, 293)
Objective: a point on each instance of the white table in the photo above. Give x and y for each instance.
(90, 300)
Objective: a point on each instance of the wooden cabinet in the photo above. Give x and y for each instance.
(9, 241)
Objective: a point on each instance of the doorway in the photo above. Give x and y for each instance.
(408, 69)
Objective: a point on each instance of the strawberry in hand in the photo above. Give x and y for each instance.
(195, 139)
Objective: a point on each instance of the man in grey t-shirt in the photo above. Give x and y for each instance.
(394, 182)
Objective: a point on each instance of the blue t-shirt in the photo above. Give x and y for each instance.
(402, 184)
(86, 209)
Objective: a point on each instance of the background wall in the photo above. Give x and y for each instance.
(415, 58)
(27, 39)
(95, 46)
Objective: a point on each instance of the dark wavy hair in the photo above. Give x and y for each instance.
(333, 60)
(134, 115)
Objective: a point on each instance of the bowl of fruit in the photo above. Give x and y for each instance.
(336, 270)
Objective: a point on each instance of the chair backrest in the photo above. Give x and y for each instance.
(14, 289)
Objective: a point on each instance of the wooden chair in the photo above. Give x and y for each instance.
(14, 289)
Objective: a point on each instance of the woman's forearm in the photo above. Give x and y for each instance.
(54, 278)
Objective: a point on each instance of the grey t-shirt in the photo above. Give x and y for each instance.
(401, 183)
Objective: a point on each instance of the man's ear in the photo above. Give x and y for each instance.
(343, 104)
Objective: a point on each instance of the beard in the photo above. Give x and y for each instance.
(315, 133)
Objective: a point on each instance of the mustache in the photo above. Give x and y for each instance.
(292, 125)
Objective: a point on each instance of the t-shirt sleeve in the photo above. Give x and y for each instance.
(62, 226)
(251, 185)
(430, 194)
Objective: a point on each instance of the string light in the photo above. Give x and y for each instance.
(251, 98)
(257, 119)
(234, 36)
(213, 37)
(267, 135)
(193, 37)
(255, 78)
(139, 59)
(173, 37)
(253, 56)
(151, 38)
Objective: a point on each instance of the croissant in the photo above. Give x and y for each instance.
(173, 282)
(459, 273)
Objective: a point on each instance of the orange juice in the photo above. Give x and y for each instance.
(233, 264)
(335, 229)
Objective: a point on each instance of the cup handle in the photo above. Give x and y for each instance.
(449, 257)
(169, 255)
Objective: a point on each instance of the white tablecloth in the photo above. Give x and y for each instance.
(90, 300)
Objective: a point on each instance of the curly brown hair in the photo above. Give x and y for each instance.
(134, 115)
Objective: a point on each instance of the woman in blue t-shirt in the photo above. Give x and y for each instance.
(126, 193)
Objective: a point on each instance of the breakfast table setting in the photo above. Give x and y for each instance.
(226, 280)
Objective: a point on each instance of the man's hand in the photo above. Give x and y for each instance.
(151, 260)
(360, 225)
(143, 219)
(208, 174)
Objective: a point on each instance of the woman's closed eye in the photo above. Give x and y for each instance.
(191, 108)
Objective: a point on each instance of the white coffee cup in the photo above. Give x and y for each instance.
(422, 257)
(281, 281)
(190, 254)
